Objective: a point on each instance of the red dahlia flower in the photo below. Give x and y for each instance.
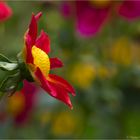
(39, 64)
(5, 11)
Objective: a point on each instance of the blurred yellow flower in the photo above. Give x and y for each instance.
(16, 103)
(136, 52)
(64, 124)
(103, 72)
(100, 3)
(45, 118)
(121, 52)
(106, 72)
(82, 75)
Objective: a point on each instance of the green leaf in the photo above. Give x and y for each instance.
(10, 83)
(4, 58)
(8, 66)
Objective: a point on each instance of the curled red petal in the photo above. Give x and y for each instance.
(53, 89)
(130, 9)
(5, 11)
(43, 42)
(61, 82)
(55, 63)
(60, 93)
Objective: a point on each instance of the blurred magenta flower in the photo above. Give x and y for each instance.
(5, 11)
(21, 104)
(29, 92)
(91, 15)
(130, 9)
(39, 64)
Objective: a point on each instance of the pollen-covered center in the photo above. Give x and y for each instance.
(41, 60)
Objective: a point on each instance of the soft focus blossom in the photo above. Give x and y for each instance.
(45, 118)
(5, 11)
(135, 49)
(85, 77)
(21, 104)
(66, 9)
(130, 9)
(100, 3)
(39, 64)
(64, 124)
(104, 72)
(89, 18)
(91, 15)
(121, 52)
(125, 52)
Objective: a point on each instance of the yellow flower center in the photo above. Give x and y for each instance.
(41, 60)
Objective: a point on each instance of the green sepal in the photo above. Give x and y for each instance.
(24, 71)
(20, 86)
(4, 59)
(6, 66)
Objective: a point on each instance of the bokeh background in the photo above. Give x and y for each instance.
(103, 68)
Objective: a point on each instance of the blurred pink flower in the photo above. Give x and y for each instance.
(29, 96)
(21, 104)
(130, 9)
(5, 11)
(90, 17)
(66, 9)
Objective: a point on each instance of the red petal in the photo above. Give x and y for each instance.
(61, 82)
(43, 80)
(37, 16)
(130, 9)
(53, 89)
(30, 37)
(60, 93)
(33, 29)
(55, 63)
(28, 43)
(43, 42)
(5, 11)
